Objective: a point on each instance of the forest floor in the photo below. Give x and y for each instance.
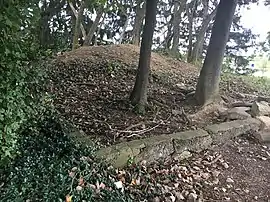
(91, 87)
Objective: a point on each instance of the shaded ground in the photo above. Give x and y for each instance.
(236, 171)
(92, 85)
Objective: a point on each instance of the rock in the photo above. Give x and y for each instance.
(261, 98)
(265, 122)
(263, 135)
(195, 141)
(225, 131)
(192, 197)
(260, 109)
(222, 111)
(238, 113)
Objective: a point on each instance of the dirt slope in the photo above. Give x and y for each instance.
(92, 85)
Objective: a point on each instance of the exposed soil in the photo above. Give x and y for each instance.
(92, 86)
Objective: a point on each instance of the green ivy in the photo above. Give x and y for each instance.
(20, 79)
(42, 170)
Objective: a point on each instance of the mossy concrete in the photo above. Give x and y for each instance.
(175, 145)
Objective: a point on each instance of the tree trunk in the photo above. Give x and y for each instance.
(76, 33)
(98, 30)
(124, 30)
(139, 94)
(178, 9)
(190, 14)
(208, 84)
(198, 46)
(76, 16)
(89, 36)
(140, 12)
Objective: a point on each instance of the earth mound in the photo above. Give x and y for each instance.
(92, 86)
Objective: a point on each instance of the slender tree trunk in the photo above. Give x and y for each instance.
(124, 31)
(190, 14)
(98, 30)
(140, 13)
(139, 94)
(208, 84)
(198, 46)
(76, 33)
(44, 30)
(76, 16)
(178, 9)
(89, 36)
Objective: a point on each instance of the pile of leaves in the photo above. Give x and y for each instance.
(51, 167)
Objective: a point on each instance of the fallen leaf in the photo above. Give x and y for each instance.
(68, 198)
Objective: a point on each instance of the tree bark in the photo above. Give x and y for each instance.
(98, 30)
(76, 16)
(139, 94)
(198, 46)
(90, 34)
(207, 88)
(178, 9)
(76, 33)
(140, 12)
(124, 30)
(190, 14)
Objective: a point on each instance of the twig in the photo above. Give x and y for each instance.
(139, 132)
(109, 126)
(132, 126)
(132, 135)
(215, 160)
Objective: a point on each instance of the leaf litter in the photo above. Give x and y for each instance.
(91, 87)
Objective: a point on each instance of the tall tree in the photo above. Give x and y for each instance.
(200, 36)
(139, 94)
(191, 8)
(93, 28)
(140, 12)
(179, 7)
(208, 84)
(76, 33)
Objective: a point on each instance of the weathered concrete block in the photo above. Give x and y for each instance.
(195, 141)
(156, 149)
(260, 109)
(224, 131)
(264, 134)
(238, 113)
(117, 155)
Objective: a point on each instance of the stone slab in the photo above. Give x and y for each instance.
(227, 130)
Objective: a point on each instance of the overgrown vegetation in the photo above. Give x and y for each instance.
(20, 78)
(51, 167)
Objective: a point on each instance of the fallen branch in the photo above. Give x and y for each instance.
(132, 126)
(139, 132)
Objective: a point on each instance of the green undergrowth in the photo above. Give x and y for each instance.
(261, 84)
(51, 167)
